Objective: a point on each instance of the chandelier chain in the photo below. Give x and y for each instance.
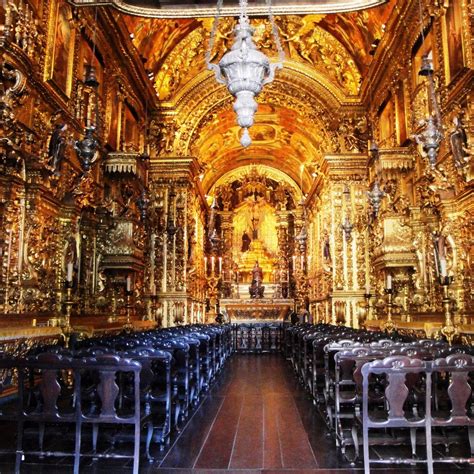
(243, 11)
(214, 31)
(281, 53)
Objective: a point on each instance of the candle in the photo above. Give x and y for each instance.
(389, 281)
(220, 265)
(302, 261)
(367, 289)
(212, 263)
(294, 262)
(309, 261)
(69, 268)
(442, 267)
(205, 265)
(129, 283)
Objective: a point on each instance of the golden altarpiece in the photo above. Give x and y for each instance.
(127, 199)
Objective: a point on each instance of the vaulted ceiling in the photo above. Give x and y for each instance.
(300, 115)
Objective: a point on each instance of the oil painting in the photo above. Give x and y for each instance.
(61, 49)
(453, 35)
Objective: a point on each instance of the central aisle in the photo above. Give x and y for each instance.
(255, 417)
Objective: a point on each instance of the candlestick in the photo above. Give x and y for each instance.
(367, 296)
(449, 330)
(389, 325)
(220, 265)
(129, 306)
(69, 269)
(212, 263)
(389, 281)
(443, 267)
(66, 326)
(129, 283)
(294, 262)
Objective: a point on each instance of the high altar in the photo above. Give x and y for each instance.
(258, 198)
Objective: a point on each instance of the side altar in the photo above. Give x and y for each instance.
(256, 310)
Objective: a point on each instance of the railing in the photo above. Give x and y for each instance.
(258, 338)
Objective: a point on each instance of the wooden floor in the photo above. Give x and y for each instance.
(255, 419)
(250, 420)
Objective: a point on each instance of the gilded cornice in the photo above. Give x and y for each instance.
(175, 168)
(347, 164)
(196, 11)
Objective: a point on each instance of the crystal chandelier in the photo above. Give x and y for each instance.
(244, 69)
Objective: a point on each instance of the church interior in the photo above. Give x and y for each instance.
(198, 181)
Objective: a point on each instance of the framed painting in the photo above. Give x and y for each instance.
(60, 52)
(131, 127)
(386, 125)
(114, 107)
(453, 40)
(400, 114)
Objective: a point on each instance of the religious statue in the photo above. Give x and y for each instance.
(255, 227)
(458, 142)
(57, 144)
(245, 241)
(256, 289)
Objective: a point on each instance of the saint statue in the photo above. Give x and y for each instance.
(57, 144)
(458, 142)
(245, 241)
(257, 273)
(256, 289)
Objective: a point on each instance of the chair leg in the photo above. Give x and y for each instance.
(470, 431)
(95, 434)
(19, 447)
(355, 440)
(413, 442)
(136, 451)
(429, 449)
(77, 447)
(41, 431)
(149, 436)
(366, 449)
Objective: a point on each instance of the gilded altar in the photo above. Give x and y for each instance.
(265, 309)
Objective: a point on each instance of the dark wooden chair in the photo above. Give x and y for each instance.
(395, 413)
(454, 409)
(155, 392)
(45, 397)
